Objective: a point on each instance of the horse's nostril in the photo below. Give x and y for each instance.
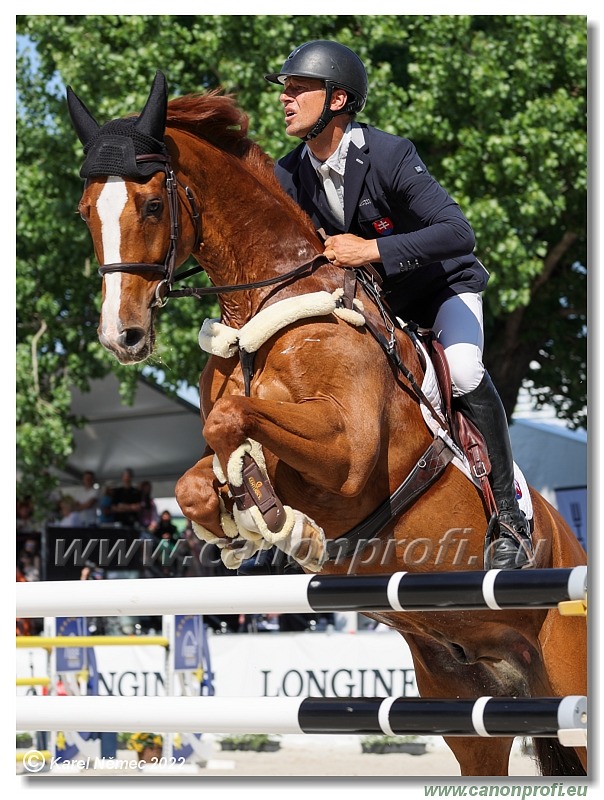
(131, 337)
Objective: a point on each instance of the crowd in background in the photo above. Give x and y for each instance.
(176, 552)
(116, 505)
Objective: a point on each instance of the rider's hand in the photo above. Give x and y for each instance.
(348, 250)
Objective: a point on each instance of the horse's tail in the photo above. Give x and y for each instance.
(554, 759)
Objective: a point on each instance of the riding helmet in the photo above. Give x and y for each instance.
(333, 63)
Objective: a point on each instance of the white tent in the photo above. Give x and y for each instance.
(159, 437)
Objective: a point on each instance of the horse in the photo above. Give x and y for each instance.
(309, 426)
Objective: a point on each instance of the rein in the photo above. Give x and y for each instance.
(308, 266)
(430, 465)
(168, 269)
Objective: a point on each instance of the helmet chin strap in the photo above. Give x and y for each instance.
(326, 115)
(324, 119)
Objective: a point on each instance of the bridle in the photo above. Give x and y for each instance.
(167, 270)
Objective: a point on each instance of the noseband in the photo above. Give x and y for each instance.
(167, 269)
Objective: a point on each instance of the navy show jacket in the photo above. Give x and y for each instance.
(425, 242)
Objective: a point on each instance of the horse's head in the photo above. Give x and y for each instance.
(130, 204)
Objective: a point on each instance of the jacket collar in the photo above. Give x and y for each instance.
(357, 164)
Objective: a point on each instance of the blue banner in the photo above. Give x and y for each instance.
(70, 659)
(188, 635)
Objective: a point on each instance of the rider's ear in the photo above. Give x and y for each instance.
(339, 99)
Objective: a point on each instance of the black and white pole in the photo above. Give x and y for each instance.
(402, 591)
(483, 717)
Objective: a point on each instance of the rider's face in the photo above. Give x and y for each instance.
(303, 100)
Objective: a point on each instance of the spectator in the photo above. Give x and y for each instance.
(165, 552)
(147, 516)
(87, 499)
(23, 626)
(106, 515)
(192, 562)
(28, 561)
(25, 513)
(164, 525)
(165, 555)
(91, 572)
(70, 518)
(126, 501)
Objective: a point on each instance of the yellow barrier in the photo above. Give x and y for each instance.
(44, 753)
(33, 681)
(48, 642)
(573, 608)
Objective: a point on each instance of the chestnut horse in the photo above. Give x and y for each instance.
(301, 404)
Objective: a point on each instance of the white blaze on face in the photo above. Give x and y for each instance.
(111, 203)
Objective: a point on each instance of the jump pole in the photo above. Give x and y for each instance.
(403, 591)
(484, 717)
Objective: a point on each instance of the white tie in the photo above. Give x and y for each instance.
(333, 199)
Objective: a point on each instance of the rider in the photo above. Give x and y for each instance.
(376, 202)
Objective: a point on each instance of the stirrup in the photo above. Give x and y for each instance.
(506, 548)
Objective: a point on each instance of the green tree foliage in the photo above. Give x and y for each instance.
(495, 104)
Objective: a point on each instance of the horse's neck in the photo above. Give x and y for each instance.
(249, 233)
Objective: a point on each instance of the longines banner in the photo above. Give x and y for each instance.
(365, 663)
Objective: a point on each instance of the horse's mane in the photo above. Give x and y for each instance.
(216, 118)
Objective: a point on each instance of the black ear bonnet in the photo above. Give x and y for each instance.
(112, 149)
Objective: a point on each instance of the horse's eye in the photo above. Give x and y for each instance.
(84, 212)
(152, 208)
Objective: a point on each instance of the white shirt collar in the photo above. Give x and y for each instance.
(337, 160)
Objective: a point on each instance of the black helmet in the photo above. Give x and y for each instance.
(333, 63)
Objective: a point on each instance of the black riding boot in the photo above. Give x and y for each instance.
(513, 549)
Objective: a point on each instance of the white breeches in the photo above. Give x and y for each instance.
(459, 328)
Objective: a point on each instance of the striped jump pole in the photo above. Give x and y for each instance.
(483, 717)
(403, 591)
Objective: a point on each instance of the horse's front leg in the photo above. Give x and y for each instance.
(197, 494)
(205, 501)
(313, 437)
(249, 437)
